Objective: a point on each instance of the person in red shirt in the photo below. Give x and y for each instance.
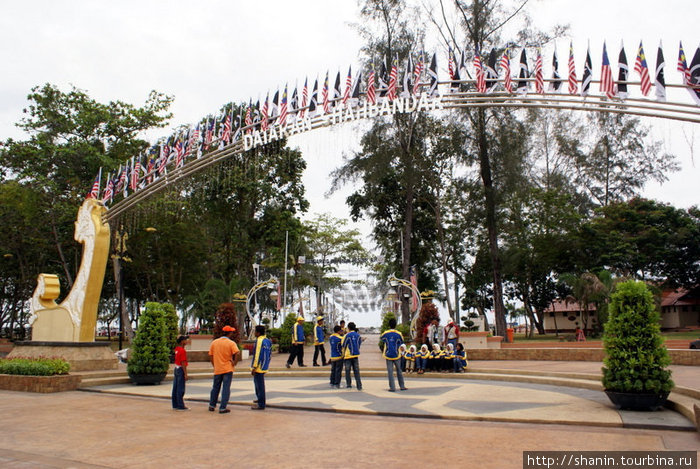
(180, 373)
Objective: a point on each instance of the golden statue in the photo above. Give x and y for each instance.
(75, 319)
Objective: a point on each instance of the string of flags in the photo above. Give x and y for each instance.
(491, 73)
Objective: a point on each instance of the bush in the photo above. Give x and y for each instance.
(636, 358)
(428, 312)
(171, 327)
(34, 366)
(149, 352)
(285, 339)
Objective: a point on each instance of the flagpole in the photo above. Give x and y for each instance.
(286, 256)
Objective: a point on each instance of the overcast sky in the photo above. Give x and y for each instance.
(208, 53)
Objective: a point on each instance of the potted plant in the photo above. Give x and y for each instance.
(149, 357)
(635, 374)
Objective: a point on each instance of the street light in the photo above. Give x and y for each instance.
(395, 282)
(270, 283)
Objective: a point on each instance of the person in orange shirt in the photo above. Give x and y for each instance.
(223, 354)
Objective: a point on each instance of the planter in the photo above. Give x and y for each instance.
(154, 378)
(637, 401)
(24, 383)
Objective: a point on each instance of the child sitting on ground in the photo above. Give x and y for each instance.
(448, 359)
(411, 359)
(422, 359)
(402, 357)
(435, 360)
(460, 359)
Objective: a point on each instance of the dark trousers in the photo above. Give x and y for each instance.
(322, 350)
(178, 388)
(259, 381)
(336, 371)
(296, 351)
(221, 381)
(354, 364)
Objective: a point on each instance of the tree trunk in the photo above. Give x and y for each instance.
(408, 228)
(491, 225)
(443, 256)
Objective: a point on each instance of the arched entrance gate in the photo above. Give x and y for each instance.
(218, 139)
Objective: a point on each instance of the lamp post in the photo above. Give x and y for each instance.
(270, 283)
(396, 282)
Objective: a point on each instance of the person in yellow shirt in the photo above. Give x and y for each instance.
(223, 355)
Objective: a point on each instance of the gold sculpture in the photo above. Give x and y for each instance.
(75, 318)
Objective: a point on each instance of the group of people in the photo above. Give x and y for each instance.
(345, 345)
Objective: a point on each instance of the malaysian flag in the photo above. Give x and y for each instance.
(490, 71)
(573, 81)
(682, 65)
(283, 109)
(371, 93)
(264, 122)
(193, 140)
(348, 87)
(623, 74)
(180, 147)
(480, 75)
(150, 169)
(208, 133)
(304, 98)
(505, 66)
(659, 79)
(524, 74)
(313, 102)
(393, 78)
(539, 74)
(640, 66)
(248, 118)
(407, 87)
(226, 134)
(606, 81)
(433, 74)
(555, 84)
(274, 108)
(587, 74)
(123, 180)
(135, 174)
(109, 190)
(95, 190)
(163, 159)
(325, 97)
(418, 73)
(413, 278)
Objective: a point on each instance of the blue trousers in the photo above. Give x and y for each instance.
(221, 381)
(354, 364)
(390, 365)
(421, 363)
(178, 388)
(259, 381)
(336, 371)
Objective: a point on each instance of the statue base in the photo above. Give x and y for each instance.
(82, 356)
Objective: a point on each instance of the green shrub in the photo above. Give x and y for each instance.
(32, 366)
(171, 327)
(636, 358)
(285, 339)
(149, 352)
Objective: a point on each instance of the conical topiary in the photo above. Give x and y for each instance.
(171, 328)
(636, 360)
(149, 354)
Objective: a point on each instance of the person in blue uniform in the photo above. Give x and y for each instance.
(297, 348)
(335, 341)
(319, 341)
(259, 365)
(351, 354)
(392, 340)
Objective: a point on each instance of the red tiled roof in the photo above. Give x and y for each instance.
(678, 297)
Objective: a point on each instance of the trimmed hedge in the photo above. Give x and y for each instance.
(30, 366)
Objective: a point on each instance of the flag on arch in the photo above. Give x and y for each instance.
(371, 91)
(304, 98)
(433, 74)
(524, 74)
(573, 80)
(248, 121)
(622, 74)
(555, 84)
(383, 79)
(490, 72)
(539, 73)
(355, 93)
(393, 78)
(418, 73)
(659, 79)
(682, 65)
(505, 66)
(264, 120)
(587, 74)
(283, 109)
(407, 87)
(336, 91)
(606, 82)
(640, 66)
(694, 81)
(313, 102)
(95, 189)
(294, 102)
(479, 72)
(135, 174)
(348, 86)
(453, 68)
(109, 190)
(324, 96)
